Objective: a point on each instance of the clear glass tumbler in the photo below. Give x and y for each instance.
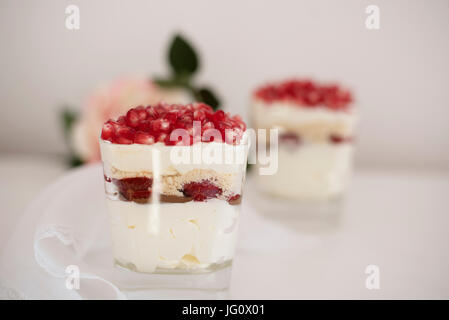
(174, 212)
(315, 125)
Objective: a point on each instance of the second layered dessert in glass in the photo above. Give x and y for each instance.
(316, 130)
(173, 179)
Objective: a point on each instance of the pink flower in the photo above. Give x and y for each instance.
(111, 101)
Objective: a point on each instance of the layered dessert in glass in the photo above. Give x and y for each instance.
(173, 181)
(315, 125)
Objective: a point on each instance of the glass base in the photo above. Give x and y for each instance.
(304, 217)
(213, 277)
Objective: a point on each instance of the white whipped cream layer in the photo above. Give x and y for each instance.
(220, 157)
(311, 171)
(291, 115)
(188, 235)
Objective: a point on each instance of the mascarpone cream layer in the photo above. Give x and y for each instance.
(314, 124)
(188, 235)
(311, 171)
(169, 160)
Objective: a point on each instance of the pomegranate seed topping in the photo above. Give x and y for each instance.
(306, 93)
(155, 124)
(201, 191)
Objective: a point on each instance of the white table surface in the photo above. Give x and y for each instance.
(23, 177)
(398, 221)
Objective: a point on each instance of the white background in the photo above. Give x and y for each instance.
(400, 73)
(394, 218)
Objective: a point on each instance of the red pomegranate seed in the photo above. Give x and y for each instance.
(161, 109)
(151, 112)
(199, 115)
(126, 132)
(160, 125)
(201, 191)
(234, 198)
(142, 114)
(121, 120)
(132, 118)
(143, 138)
(339, 139)
(171, 116)
(108, 131)
(123, 140)
(232, 136)
(162, 137)
(144, 125)
(218, 116)
(134, 189)
(208, 125)
(289, 137)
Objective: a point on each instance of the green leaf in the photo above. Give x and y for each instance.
(75, 161)
(180, 80)
(165, 83)
(182, 57)
(207, 96)
(68, 118)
